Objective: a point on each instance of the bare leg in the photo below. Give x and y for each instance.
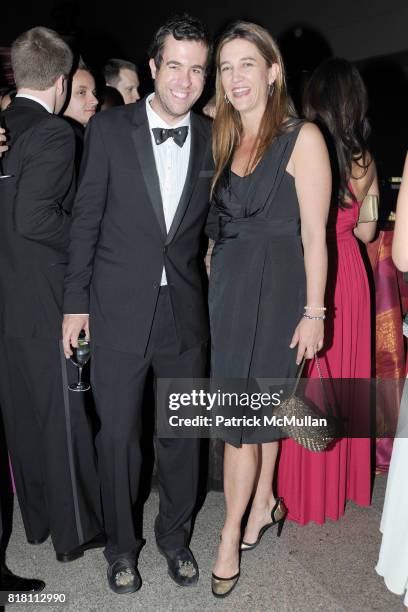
(240, 467)
(264, 499)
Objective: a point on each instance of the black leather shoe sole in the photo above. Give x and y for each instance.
(11, 582)
(23, 585)
(78, 552)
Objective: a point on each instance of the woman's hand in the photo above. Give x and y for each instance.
(308, 337)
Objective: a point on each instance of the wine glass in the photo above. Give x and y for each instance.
(80, 357)
(2, 174)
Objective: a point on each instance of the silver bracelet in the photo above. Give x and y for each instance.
(316, 318)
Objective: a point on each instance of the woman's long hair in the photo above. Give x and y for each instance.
(336, 99)
(227, 128)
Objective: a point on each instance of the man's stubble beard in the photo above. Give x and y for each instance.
(168, 110)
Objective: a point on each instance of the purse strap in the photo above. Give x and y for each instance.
(319, 371)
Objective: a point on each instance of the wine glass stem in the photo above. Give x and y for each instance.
(80, 375)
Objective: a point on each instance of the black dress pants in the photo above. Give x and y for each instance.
(118, 381)
(6, 495)
(50, 443)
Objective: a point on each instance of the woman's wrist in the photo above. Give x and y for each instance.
(314, 317)
(314, 312)
(319, 308)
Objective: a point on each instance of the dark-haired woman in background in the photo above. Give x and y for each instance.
(271, 195)
(316, 486)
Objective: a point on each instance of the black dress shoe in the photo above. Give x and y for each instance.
(182, 567)
(124, 577)
(11, 582)
(98, 542)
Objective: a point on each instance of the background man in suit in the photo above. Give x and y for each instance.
(8, 580)
(135, 266)
(81, 105)
(122, 75)
(50, 444)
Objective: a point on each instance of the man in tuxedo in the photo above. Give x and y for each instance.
(50, 443)
(8, 580)
(136, 267)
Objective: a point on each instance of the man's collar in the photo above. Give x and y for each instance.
(35, 99)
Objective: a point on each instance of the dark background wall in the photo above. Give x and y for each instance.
(355, 30)
(372, 33)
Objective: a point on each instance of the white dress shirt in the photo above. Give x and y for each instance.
(171, 164)
(35, 99)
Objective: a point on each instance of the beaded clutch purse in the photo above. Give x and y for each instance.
(305, 424)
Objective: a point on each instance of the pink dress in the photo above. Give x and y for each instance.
(316, 486)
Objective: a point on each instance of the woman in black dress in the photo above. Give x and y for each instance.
(270, 200)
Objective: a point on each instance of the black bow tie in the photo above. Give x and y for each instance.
(179, 135)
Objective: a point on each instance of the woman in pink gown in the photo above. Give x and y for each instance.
(316, 486)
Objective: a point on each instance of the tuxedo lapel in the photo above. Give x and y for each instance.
(143, 145)
(197, 149)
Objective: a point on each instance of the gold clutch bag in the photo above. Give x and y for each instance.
(295, 410)
(369, 209)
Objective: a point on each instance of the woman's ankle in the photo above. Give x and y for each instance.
(263, 506)
(230, 533)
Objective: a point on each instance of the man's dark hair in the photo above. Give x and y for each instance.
(181, 27)
(112, 68)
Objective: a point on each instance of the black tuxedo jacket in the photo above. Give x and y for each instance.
(35, 209)
(119, 241)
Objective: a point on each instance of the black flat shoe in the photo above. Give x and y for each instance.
(182, 567)
(11, 582)
(124, 577)
(98, 542)
(278, 516)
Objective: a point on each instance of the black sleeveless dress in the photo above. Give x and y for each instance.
(257, 283)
